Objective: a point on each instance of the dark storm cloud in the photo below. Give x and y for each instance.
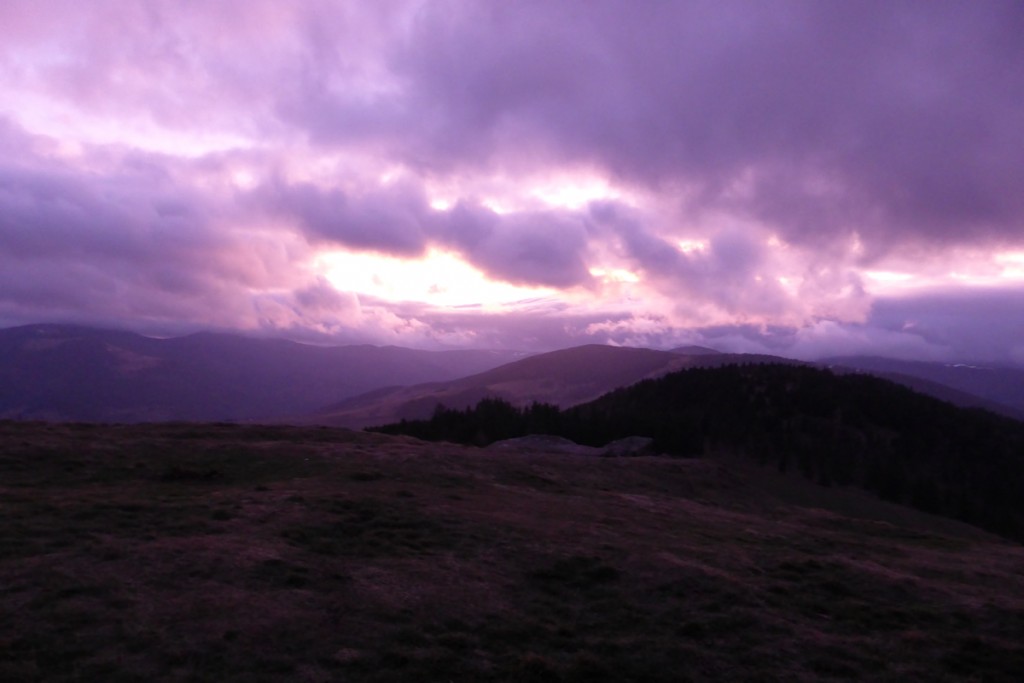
(899, 120)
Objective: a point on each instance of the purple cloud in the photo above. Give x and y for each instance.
(536, 248)
(894, 120)
(389, 221)
(187, 165)
(730, 272)
(977, 324)
(126, 241)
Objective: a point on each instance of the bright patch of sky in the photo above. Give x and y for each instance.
(439, 278)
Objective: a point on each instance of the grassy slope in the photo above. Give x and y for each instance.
(204, 552)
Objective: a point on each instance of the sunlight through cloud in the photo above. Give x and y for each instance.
(439, 279)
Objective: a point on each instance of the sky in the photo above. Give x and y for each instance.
(800, 178)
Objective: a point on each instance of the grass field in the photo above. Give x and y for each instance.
(197, 552)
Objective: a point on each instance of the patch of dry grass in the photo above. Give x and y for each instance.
(219, 552)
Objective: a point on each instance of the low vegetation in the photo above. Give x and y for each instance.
(234, 553)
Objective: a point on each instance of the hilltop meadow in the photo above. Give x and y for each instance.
(196, 552)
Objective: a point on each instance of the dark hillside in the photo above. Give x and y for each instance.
(838, 430)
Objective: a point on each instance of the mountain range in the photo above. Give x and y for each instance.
(59, 372)
(70, 373)
(999, 388)
(561, 378)
(577, 375)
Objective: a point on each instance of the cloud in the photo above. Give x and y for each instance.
(528, 326)
(527, 247)
(983, 324)
(892, 120)
(155, 239)
(733, 270)
(321, 296)
(187, 165)
(895, 121)
(126, 240)
(977, 324)
(388, 219)
(544, 247)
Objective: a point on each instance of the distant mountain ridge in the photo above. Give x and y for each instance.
(563, 378)
(695, 351)
(579, 374)
(62, 372)
(1000, 388)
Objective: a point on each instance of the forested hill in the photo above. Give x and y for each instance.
(845, 430)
